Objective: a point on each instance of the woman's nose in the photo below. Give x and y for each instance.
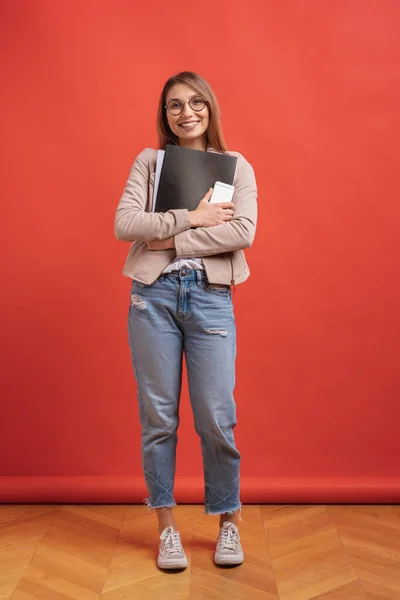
(187, 111)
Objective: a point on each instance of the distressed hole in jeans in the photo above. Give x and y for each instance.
(138, 302)
(221, 332)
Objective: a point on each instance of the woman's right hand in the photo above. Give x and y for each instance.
(210, 213)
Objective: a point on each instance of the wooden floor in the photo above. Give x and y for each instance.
(292, 552)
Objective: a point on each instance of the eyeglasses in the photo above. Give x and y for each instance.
(175, 107)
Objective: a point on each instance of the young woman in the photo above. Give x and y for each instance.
(182, 264)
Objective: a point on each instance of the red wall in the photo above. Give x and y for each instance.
(309, 93)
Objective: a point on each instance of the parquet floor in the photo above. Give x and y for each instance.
(292, 552)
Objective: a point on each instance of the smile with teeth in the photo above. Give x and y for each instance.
(189, 125)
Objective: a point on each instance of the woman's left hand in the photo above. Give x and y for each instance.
(161, 244)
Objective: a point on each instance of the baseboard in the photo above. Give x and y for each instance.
(190, 490)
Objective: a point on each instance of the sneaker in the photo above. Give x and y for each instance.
(229, 549)
(171, 553)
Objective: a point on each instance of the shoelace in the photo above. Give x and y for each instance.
(228, 539)
(172, 542)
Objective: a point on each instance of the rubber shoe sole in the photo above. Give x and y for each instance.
(172, 563)
(233, 559)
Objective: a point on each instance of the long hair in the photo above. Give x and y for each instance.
(214, 134)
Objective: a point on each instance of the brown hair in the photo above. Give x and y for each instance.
(215, 137)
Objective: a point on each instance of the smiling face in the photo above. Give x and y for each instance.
(193, 134)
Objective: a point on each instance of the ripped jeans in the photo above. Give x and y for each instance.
(182, 312)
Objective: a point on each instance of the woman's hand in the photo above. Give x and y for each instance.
(208, 214)
(161, 244)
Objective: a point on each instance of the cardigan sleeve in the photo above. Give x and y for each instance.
(132, 222)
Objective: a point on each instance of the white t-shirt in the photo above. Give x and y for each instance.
(192, 263)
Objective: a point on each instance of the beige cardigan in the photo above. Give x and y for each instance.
(220, 246)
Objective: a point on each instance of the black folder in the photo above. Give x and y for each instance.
(187, 174)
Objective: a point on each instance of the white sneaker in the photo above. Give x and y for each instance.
(171, 554)
(229, 549)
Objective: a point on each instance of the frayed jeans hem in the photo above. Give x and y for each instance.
(150, 507)
(208, 511)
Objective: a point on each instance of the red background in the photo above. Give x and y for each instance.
(310, 94)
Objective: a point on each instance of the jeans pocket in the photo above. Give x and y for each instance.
(220, 289)
(139, 284)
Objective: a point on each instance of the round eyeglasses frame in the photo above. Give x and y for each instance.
(186, 102)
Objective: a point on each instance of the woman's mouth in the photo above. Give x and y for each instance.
(190, 125)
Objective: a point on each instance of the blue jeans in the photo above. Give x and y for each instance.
(182, 312)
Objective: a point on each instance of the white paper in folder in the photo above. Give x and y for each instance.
(160, 160)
